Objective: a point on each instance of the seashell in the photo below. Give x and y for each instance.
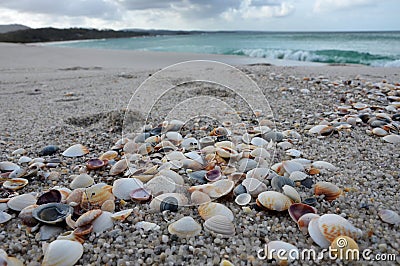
(62, 252)
(160, 184)
(260, 153)
(298, 176)
(119, 167)
(333, 225)
(24, 159)
(17, 173)
(254, 186)
(49, 150)
(213, 175)
(243, 199)
(191, 164)
(198, 197)
(174, 137)
(93, 164)
(175, 155)
(4, 217)
(304, 221)
(273, 136)
(286, 255)
(246, 138)
(345, 248)
(273, 200)
(172, 175)
(292, 193)
(8, 166)
(259, 142)
(75, 197)
(147, 226)
(140, 194)
(206, 141)
(293, 153)
(278, 182)
(310, 201)
(83, 230)
(297, 210)
(158, 203)
(380, 132)
(103, 222)
(240, 189)
(227, 152)
(88, 217)
(219, 132)
(15, 183)
(123, 187)
(96, 195)
(75, 151)
(394, 139)
(291, 166)
(26, 216)
(122, 215)
(51, 196)
(198, 175)
(389, 216)
(211, 209)
(190, 144)
(195, 156)
(47, 232)
(220, 224)
(185, 227)
(316, 234)
(330, 190)
(258, 173)
(324, 165)
(215, 190)
(18, 203)
(246, 165)
(317, 129)
(81, 181)
(20, 151)
(108, 155)
(285, 145)
(52, 213)
(108, 205)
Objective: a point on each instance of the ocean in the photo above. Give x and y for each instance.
(367, 48)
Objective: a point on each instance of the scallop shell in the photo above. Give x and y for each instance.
(81, 181)
(243, 199)
(198, 197)
(394, 139)
(4, 217)
(220, 224)
(156, 203)
(292, 193)
(122, 215)
(215, 190)
(211, 209)
(96, 195)
(273, 200)
(8, 166)
(333, 225)
(284, 257)
(330, 190)
(18, 203)
(160, 185)
(185, 227)
(15, 183)
(389, 216)
(103, 223)
(123, 187)
(297, 210)
(75, 151)
(304, 221)
(119, 167)
(344, 248)
(88, 217)
(52, 213)
(62, 252)
(254, 186)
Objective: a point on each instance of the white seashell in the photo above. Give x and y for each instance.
(8, 166)
(276, 167)
(246, 138)
(317, 129)
(394, 139)
(211, 209)
(291, 166)
(254, 186)
(198, 197)
(302, 161)
(160, 185)
(298, 176)
(147, 226)
(292, 193)
(185, 227)
(226, 152)
(156, 202)
(333, 225)
(190, 144)
(287, 252)
(75, 151)
(103, 223)
(215, 190)
(15, 183)
(81, 181)
(119, 167)
(20, 151)
(24, 159)
(18, 203)
(315, 233)
(177, 178)
(195, 156)
(225, 144)
(379, 132)
(220, 224)
(17, 173)
(260, 152)
(62, 252)
(293, 153)
(246, 165)
(304, 221)
(122, 215)
(174, 137)
(324, 165)
(258, 173)
(4, 217)
(175, 156)
(389, 216)
(285, 145)
(243, 199)
(191, 164)
(259, 142)
(273, 200)
(124, 186)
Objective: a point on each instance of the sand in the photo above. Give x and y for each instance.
(64, 96)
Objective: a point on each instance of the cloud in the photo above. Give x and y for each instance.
(105, 9)
(259, 9)
(332, 5)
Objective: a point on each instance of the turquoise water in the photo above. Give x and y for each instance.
(367, 48)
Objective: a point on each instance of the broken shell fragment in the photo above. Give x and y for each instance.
(185, 227)
(103, 222)
(122, 215)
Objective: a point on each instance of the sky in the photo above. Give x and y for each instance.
(263, 15)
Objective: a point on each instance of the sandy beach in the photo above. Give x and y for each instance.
(64, 96)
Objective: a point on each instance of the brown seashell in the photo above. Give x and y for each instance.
(313, 171)
(108, 155)
(344, 248)
(83, 230)
(15, 183)
(26, 216)
(119, 167)
(88, 217)
(304, 221)
(297, 210)
(93, 164)
(75, 197)
(49, 196)
(330, 190)
(96, 195)
(108, 205)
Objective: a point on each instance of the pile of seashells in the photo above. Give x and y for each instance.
(165, 171)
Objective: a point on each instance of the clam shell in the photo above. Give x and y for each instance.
(195, 156)
(185, 227)
(261, 153)
(8, 166)
(206, 141)
(259, 142)
(175, 155)
(317, 129)
(88, 217)
(75, 197)
(119, 167)
(246, 165)
(24, 159)
(50, 196)
(75, 151)
(160, 185)
(273, 200)
(17, 173)
(62, 252)
(211, 209)
(243, 199)
(123, 187)
(122, 215)
(20, 202)
(297, 210)
(108, 155)
(198, 197)
(177, 178)
(220, 224)
(81, 181)
(174, 137)
(15, 183)
(198, 175)
(394, 139)
(52, 213)
(155, 204)
(93, 164)
(283, 258)
(140, 194)
(103, 222)
(292, 166)
(343, 247)
(258, 173)
(298, 176)
(213, 175)
(4, 217)
(227, 152)
(215, 190)
(292, 193)
(304, 221)
(330, 190)
(26, 216)
(191, 164)
(333, 225)
(108, 205)
(278, 182)
(96, 195)
(389, 216)
(254, 186)
(324, 165)
(316, 234)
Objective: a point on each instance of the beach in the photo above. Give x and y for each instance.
(65, 96)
